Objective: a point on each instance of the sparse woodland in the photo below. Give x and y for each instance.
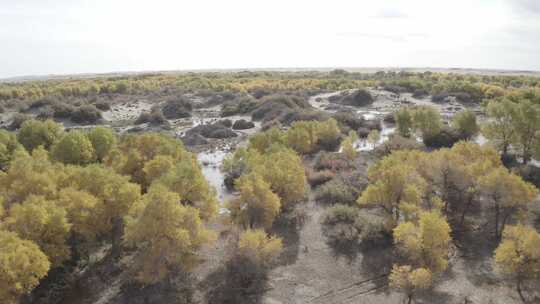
(95, 201)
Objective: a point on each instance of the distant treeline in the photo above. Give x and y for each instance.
(469, 87)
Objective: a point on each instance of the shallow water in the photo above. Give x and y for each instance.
(362, 144)
(211, 162)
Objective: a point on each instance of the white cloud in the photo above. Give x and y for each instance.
(61, 36)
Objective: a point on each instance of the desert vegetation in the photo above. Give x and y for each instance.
(253, 187)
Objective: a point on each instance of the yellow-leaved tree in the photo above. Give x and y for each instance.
(35, 133)
(395, 187)
(166, 233)
(262, 248)
(518, 255)
(82, 208)
(425, 243)
(133, 152)
(115, 193)
(74, 148)
(22, 266)
(347, 148)
(187, 180)
(508, 194)
(43, 222)
(500, 129)
(8, 147)
(31, 175)
(410, 280)
(284, 171)
(103, 140)
(256, 205)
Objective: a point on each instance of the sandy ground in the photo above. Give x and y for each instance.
(321, 275)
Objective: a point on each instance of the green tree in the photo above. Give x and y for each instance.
(187, 180)
(427, 120)
(404, 121)
(22, 266)
(8, 147)
(302, 137)
(328, 134)
(395, 187)
(242, 161)
(256, 206)
(465, 123)
(527, 127)
(262, 141)
(500, 129)
(508, 194)
(103, 140)
(348, 149)
(166, 233)
(74, 148)
(284, 171)
(34, 133)
(518, 255)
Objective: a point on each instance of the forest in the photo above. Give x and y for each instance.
(271, 187)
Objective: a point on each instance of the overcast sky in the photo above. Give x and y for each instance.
(89, 36)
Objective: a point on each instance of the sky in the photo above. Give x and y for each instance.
(96, 36)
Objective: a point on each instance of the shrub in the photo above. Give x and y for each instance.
(419, 93)
(446, 138)
(215, 130)
(349, 120)
(373, 229)
(227, 123)
(303, 114)
(45, 113)
(43, 102)
(396, 143)
(336, 192)
(440, 97)
(360, 98)
(317, 178)
(62, 110)
(17, 120)
(330, 161)
(102, 105)
(155, 117)
(241, 105)
(243, 124)
(86, 114)
(276, 106)
(177, 108)
(389, 118)
(341, 224)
